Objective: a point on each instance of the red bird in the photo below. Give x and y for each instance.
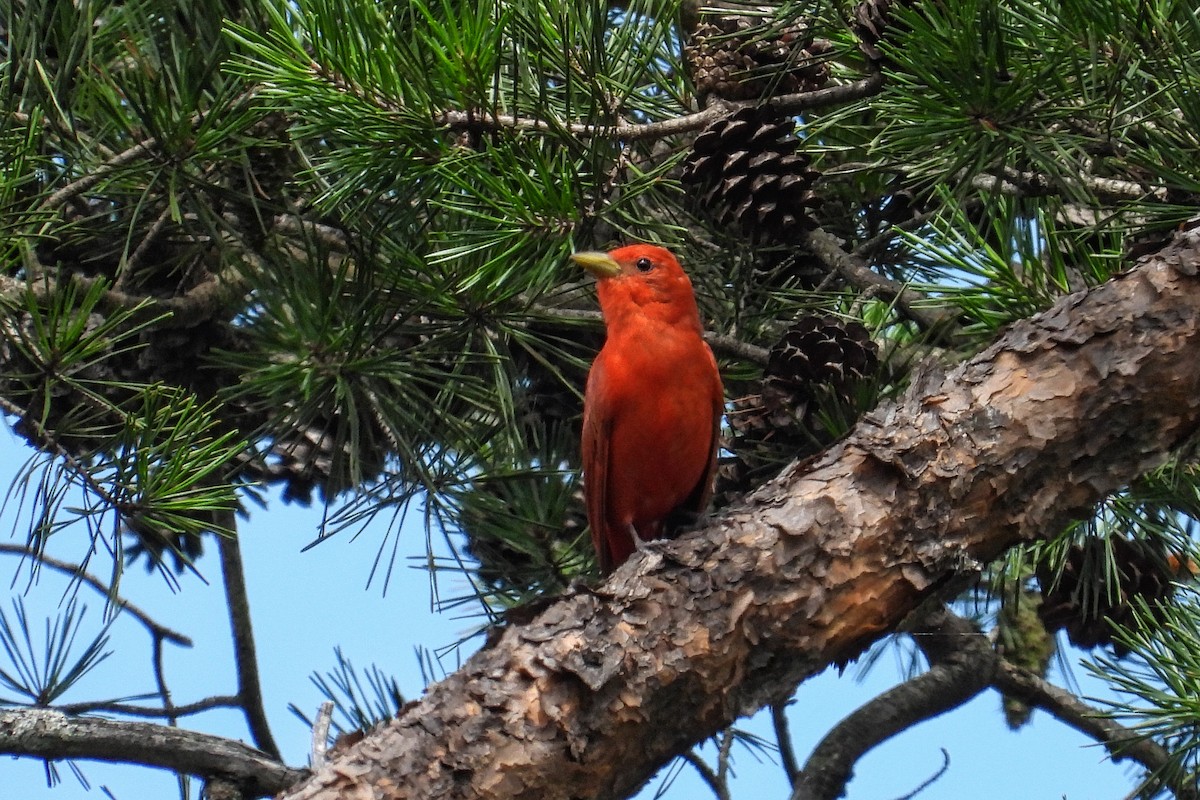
(653, 405)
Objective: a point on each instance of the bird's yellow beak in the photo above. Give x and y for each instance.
(601, 265)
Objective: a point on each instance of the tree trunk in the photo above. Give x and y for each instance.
(603, 688)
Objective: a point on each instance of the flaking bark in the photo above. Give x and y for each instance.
(601, 689)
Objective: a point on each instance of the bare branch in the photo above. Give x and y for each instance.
(783, 738)
(43, 733)
(961, 665)
(238, 603)
(1121, 742)
(169, 712)
(718, 785)
(320, 734)
(77, 573)
(932, 779)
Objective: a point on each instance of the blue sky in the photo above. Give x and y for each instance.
(307, 603)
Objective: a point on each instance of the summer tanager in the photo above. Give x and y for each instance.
(653, 405)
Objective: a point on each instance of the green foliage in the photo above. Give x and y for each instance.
(1015, 261)
(361, 700)
(1162, 684)
(39, 675)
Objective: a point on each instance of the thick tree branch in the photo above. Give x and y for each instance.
(53, 735)
(602, 688)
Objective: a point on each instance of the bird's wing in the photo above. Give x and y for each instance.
(597, 428)
(698, 499)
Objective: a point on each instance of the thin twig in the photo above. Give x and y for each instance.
(160, 680)
(723, 755)
(238, 603)
(783, 738)
(74, 570)
(706, 772)
(140, 252)
(320, 734)
(932, 779)
(169, 713)
(912, 304)
(46, 441)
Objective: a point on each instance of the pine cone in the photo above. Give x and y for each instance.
(872, 20)
(744, 58)
(749, 171)
(823, 350)
(816, 366)
(1091, 612)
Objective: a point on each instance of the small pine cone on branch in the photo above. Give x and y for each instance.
(873, 22)
(749, 170)
(823, 350)
(737, 57)
(815, 367)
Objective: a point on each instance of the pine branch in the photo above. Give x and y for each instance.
(912, 304)
(52, 735)
(787, 104)
(184, 310)
(97, 174)
(1032, 183)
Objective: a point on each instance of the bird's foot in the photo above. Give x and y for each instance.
(654, 545)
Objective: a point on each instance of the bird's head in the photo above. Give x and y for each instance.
(644, 280)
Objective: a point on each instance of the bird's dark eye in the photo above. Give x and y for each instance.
(644, 265)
